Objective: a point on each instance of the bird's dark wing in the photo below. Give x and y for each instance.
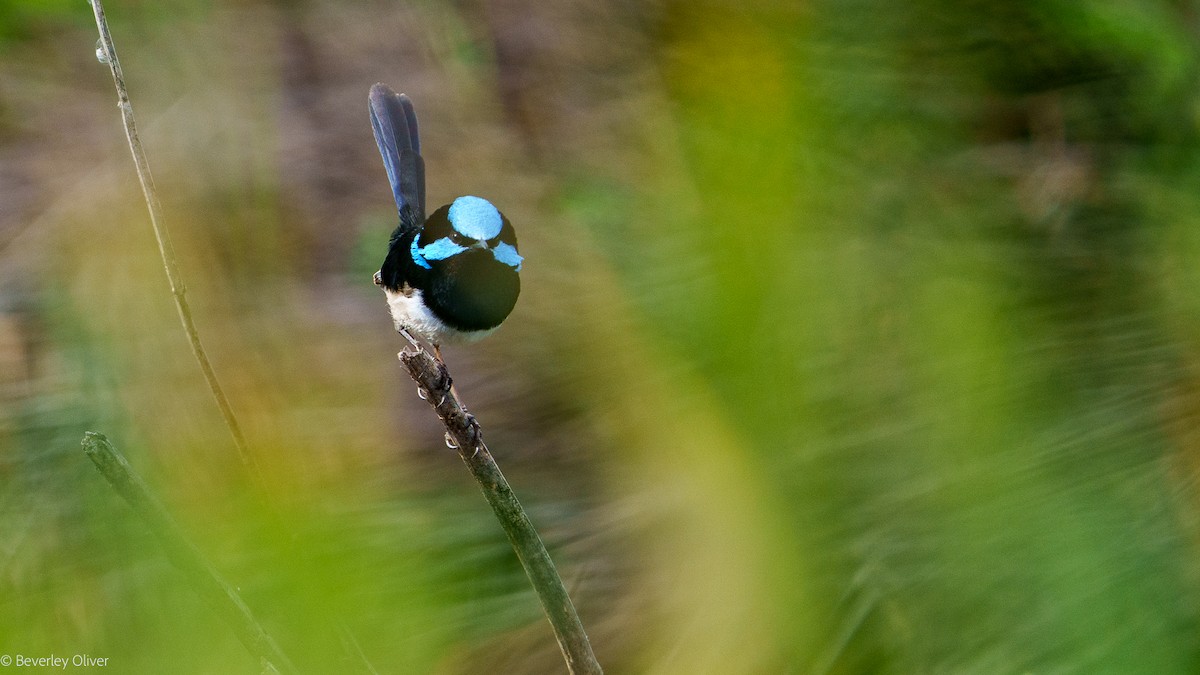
(395, 124)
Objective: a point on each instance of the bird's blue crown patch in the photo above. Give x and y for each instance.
(475, 217)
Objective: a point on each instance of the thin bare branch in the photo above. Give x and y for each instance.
(108, 54)
(463, 432)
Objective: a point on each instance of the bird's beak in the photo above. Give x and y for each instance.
(378, 279)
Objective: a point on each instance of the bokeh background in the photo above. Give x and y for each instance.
(855, 336)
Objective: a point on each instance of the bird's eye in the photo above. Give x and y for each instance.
(493, 241)
(456, 237)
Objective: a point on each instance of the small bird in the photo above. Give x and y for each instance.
(452, 277)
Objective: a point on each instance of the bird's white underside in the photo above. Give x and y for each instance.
(408, 311)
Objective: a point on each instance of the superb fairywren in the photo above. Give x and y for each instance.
(451, 277)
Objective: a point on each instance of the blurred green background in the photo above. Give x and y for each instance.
(855, 337)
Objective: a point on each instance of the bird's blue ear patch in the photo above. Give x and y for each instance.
(441, 249)
(507, 254)
(415, 252)
(475, 218)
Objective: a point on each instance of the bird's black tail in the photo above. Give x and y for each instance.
(395, 124)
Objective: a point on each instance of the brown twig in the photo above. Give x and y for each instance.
(463, 432)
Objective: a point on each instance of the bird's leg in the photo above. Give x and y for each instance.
(411, 340)
(416, 349)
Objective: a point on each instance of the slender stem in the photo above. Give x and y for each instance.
(463, 432)
(204, 579)
(108, 54)
(165, 249)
